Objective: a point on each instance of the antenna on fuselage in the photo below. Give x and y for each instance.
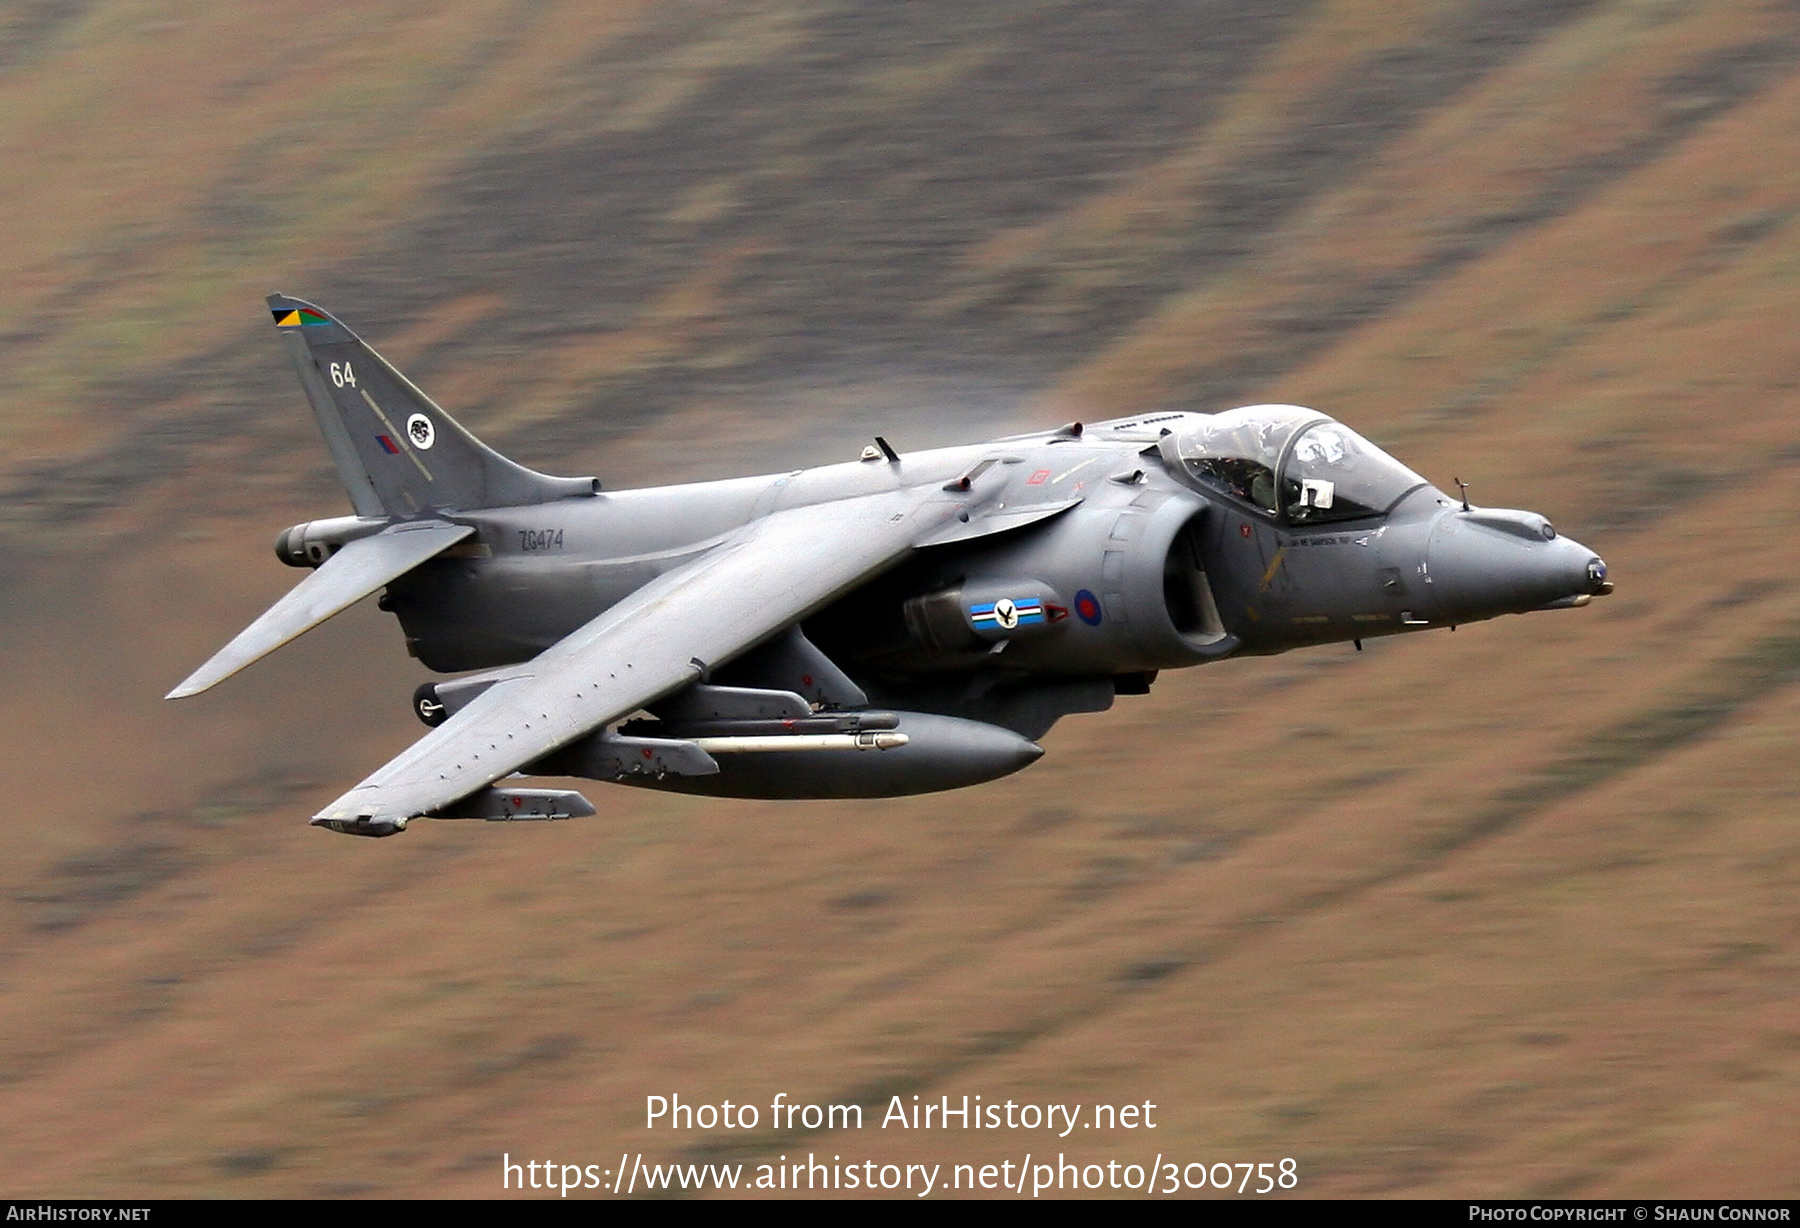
(1465, 492)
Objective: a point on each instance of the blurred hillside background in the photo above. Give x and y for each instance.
(1510, 911)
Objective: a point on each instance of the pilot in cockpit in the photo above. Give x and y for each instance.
(1328, 472)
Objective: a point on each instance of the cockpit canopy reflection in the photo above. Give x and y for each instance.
(1289, 462)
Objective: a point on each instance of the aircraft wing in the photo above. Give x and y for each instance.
(661, 638)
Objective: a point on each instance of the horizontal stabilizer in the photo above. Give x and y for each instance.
(355, 571)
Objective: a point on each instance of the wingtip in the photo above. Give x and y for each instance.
(205, 678)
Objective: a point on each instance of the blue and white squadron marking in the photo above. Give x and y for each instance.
(1006, 614)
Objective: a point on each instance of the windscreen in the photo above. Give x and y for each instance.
(1332, 473)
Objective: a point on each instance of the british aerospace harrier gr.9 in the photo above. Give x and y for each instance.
(902, 623)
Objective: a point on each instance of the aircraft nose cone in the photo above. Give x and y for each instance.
(1493, 561)
(1596, 574)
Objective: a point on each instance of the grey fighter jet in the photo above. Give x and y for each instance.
(895, 624)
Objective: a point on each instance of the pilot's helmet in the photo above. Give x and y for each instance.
(1236, 452)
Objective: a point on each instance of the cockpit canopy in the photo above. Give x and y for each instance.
(1289, 462)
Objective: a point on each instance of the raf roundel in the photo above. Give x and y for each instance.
(421, 432)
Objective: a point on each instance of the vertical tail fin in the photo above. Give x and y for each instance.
(397, 453)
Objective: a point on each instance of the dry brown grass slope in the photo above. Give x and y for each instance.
(1505, 912)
